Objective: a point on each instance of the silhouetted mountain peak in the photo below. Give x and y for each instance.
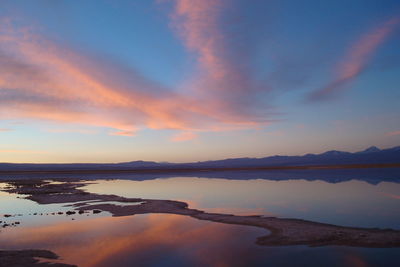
(334, 153)
(371, 155)
(138, 163)
(371, 149)
(396, 148)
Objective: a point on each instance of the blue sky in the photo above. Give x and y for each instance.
(181, 80)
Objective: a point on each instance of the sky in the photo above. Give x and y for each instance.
(186, 80)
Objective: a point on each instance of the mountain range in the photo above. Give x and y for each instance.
(371, 155)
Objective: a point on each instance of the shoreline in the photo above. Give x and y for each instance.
(191, 170)
(30, 257)
(283, 231)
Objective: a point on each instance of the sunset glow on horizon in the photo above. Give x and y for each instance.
(182, 80)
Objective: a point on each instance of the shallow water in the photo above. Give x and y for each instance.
(352, 203)
(172, 240)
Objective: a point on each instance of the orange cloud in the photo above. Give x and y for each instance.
(5, 130)
(124, 133)
(107, 240)
(41, 80)
(184, 136)
(357, 58)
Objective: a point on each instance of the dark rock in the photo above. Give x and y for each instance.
(23, 258)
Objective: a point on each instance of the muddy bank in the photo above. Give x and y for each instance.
(284, 232)
(29, 258)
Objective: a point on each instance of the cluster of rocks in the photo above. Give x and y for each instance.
(4, 224)
(70, 212)
(9, 215)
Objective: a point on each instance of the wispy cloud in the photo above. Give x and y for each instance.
(124, 133)
(70, 130)
(5, 130)
(393, 133)
(41, 80)
(356, 59)
(224, 56)
(394, 196)
(184, 136)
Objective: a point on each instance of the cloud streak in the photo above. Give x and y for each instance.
(394, 196)
(184, 136)
(356, 59)
(41, 80)
(393, 133)
(223, 53)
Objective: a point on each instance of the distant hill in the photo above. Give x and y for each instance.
(371, 155)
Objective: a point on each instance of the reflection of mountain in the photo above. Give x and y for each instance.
(371, 155)
(371, 176)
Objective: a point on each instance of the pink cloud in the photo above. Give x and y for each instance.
(184, 136)
(357, 58)
(393, 133)
(5, 130)
(391, 195)
(124, 133)
(41, 80)
(224, 77)
(70, 130)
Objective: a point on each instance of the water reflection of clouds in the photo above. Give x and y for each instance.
(173, 240)
(140, 239)
(183, 241)
(394, 196)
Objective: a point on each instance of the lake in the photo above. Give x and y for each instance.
(174, 240)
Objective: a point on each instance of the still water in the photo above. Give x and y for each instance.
(352, 203)
(174, 240)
